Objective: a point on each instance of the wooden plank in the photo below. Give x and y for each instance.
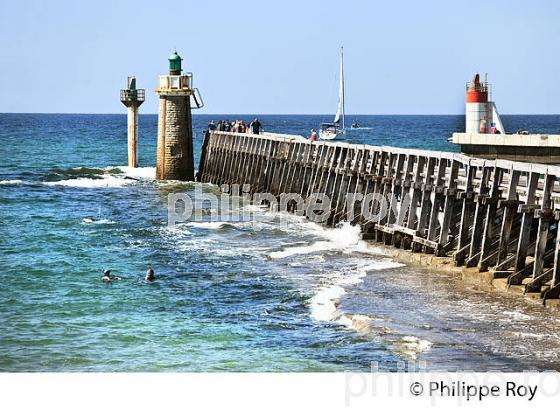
(491, 207)
(413, 211)
(526, 222)
(479, 214)
(509, 215)
(425, 202)
(436, 197)
(449, 204)
(544, 225)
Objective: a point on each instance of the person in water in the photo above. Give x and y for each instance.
(150, 277)
(107, 277)
(88, 219)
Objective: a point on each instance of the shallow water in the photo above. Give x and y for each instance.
(273, 293)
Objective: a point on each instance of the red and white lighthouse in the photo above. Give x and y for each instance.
(481, 114)
(478, 114)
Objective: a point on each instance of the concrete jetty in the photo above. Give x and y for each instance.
(495, 216)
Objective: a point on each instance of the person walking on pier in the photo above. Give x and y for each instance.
(255, 126)
(313, 137)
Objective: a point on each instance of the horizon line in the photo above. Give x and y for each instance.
(258, 114)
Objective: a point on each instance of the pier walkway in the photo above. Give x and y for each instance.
(496, 216)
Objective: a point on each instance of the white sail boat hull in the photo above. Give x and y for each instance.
(328, 135)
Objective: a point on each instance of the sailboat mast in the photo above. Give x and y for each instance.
(342, 84)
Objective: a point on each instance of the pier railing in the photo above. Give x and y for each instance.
(495, 215)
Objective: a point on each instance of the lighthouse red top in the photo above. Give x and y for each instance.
(477, 92)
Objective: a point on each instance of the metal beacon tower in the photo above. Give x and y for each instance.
(132, 98)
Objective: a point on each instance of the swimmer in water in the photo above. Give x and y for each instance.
(150, 275)
(107, 277)
(88, 219)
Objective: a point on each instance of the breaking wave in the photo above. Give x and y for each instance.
(110, 177)
(345, 238)
(11, 182)
(209, 225)
(324, 304)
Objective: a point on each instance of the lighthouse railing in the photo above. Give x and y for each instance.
(482, 87)
(133, 95)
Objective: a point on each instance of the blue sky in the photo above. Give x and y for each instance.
(401, 57)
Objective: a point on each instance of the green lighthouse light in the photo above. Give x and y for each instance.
(175, 64)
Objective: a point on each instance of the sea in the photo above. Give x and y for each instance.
(278, 294)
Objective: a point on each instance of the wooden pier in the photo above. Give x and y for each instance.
(495, 216)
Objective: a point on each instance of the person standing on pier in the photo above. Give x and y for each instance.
(313, 137)
(241, 126)
(255, 126)
(211, 126)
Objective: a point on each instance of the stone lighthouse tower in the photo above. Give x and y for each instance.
(174, 141)
(132, 99)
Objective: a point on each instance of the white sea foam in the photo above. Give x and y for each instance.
(177, 232)
(11, 182)
(411, 346)
(323, 304)
(128, 177)
(383, 264)
(363, 323)
(140, 173)
(516, 315)
(99, 221)
(525, 335)
(254, 208)
(301, 250)
(345, 238)
(104, 182)
(209, 225)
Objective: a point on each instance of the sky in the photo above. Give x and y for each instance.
(281, 57)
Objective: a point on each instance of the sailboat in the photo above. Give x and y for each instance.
(330, 131)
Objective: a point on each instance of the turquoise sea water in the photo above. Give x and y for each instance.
(276, 294)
